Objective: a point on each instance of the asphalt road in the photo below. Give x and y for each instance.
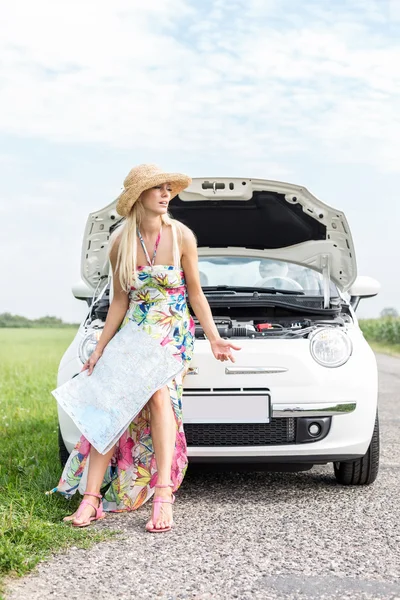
(251, 536)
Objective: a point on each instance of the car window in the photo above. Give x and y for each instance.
(247, 271)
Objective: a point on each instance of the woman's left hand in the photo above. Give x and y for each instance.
(222, 349)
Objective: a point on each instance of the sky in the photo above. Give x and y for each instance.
(305, 92)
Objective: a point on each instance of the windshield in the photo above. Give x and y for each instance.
(238, 271)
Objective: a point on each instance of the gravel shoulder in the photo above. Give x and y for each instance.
(250, 536)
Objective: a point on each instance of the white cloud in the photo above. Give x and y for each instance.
(132, 75)
(394, 10)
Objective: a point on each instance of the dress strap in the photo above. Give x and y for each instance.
(151, 262)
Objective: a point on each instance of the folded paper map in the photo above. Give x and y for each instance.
(133, 366)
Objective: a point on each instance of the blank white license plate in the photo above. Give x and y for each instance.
(225, 408)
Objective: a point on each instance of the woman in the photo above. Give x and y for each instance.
(150, 457)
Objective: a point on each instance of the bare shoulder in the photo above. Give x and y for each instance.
(114, 241)
(188, 237)
(189, 260)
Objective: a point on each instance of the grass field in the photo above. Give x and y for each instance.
(390, 349)
(382, 334)
(30, 521)
(385, 330)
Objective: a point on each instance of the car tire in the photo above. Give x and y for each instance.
(62, 449)
(364, 470)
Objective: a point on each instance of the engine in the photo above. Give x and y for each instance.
(272, 328)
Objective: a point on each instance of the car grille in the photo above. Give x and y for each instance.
(275, 433)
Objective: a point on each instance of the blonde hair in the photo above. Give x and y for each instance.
(127, 248)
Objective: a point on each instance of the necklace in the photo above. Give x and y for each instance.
(151, 262)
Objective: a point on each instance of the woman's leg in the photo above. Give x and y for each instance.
(163, 433)
(97, 467)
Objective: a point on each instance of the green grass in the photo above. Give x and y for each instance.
(30, 522)
(383, 335)
(384, 330)
(391, 349)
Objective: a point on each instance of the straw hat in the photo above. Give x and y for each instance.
(144, 177)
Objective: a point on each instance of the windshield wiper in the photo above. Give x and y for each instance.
(233, 289)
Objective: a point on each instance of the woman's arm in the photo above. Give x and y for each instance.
(115, 315)
(220, 347)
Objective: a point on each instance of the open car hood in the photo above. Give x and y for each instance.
(256, 217)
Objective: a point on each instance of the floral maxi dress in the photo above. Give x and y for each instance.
(158, 304)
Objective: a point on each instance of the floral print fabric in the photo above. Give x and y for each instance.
(158, 304)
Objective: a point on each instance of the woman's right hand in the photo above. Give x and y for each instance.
(91, 361)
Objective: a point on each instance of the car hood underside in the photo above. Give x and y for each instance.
(253, 217)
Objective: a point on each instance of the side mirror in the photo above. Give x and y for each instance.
(363, 287)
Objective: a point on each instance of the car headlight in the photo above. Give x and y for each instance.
(88, 344)
(330, 347)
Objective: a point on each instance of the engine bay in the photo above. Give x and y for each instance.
(270, 320)
(290, 327)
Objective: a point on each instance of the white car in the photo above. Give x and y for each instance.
(278, 268)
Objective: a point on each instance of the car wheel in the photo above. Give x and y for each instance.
(62, 449)
(364, 470)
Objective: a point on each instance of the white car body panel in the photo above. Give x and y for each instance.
(304, 383)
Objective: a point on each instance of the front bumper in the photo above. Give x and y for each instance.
(321, 409)
(348, 438)
(346, 396)
(281, 463)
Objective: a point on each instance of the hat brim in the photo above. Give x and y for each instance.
(128, 197)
